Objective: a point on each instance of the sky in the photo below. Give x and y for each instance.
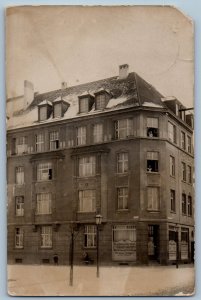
(48, 45)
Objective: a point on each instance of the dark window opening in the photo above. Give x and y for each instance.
(152, 165)
(45, 261)
(50, 174)
(18, 260)
(57, 144)
(152, 132)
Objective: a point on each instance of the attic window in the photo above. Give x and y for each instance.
(44, 110)
(42, 113)
(84, 105)
(57, 110)
(100, 101)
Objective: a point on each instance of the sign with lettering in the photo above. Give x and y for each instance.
(172, 250)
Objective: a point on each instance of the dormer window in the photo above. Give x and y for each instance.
(44, 110)
(59, 108)
(86, 102)
(102, 98)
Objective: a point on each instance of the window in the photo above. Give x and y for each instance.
(172, 166)
(123, 128)
(189, 174)
(87, 166)
(57, 110)
(190, 206)
(183, 140)
(152, 161)
(122, 162)
(44, 171)
(100, 101)
(98, 133)
(44, 204)
(153, 198)
(21, 146)
(183, 204)
(152, 127)
(172, 201)
(171, 132)
(19, 237)
(54, 140)
(90, 236)
(42, 113)
(19, 175)
(46, 236)
(84, 105)
(189, 144)
(40, 142)
(122, 194)
(87, 201)
(19, 206)
(81, 135)
(183, 171)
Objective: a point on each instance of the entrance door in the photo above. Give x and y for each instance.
(153, 242)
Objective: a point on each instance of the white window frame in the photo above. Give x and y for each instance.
(19, 206)
(171, 132)
(43, 204)
(87, 200)
(172, 166)
(90, 236)
(19, 173)
(122, 198)
(123, 128)
(81, 135)
(46, 236)
(100, 101)
(122, 162)
(39, 138)
(54, 140)
(84, 105)
(87, 166)
(43, 113)
(152, 123)
(44, 171)
(172, 200)
(183, 140)
(153, 198)
(98, 133)
(21, 145)
(19, 238)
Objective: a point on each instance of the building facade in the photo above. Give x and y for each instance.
(114, 147)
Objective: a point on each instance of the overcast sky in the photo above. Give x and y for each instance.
(48, 45)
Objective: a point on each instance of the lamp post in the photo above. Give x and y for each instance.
(74, 227)
(98, 223)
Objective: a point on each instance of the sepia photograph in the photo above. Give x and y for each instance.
(100, 151)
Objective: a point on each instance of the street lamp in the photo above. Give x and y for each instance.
(98, 223)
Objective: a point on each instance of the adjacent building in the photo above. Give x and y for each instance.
(114, 147)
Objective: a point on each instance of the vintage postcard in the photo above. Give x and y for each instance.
(100, 158)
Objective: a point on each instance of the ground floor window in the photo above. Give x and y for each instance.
(90, 236)
(184, 243)
(124, 243)
(46, 236)
(173, 236)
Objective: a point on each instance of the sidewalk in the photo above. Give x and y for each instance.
(32, 280)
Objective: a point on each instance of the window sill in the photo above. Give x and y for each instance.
(153, 210)
(123, 210)
(45, 247)
(155, 173)
(90, 248)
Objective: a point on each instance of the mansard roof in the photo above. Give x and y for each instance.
(132, 91)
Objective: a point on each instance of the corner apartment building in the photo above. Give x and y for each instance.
(115, 147)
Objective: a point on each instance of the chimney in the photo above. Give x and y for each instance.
(123, 71)
(28, 93)
(64, 85)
